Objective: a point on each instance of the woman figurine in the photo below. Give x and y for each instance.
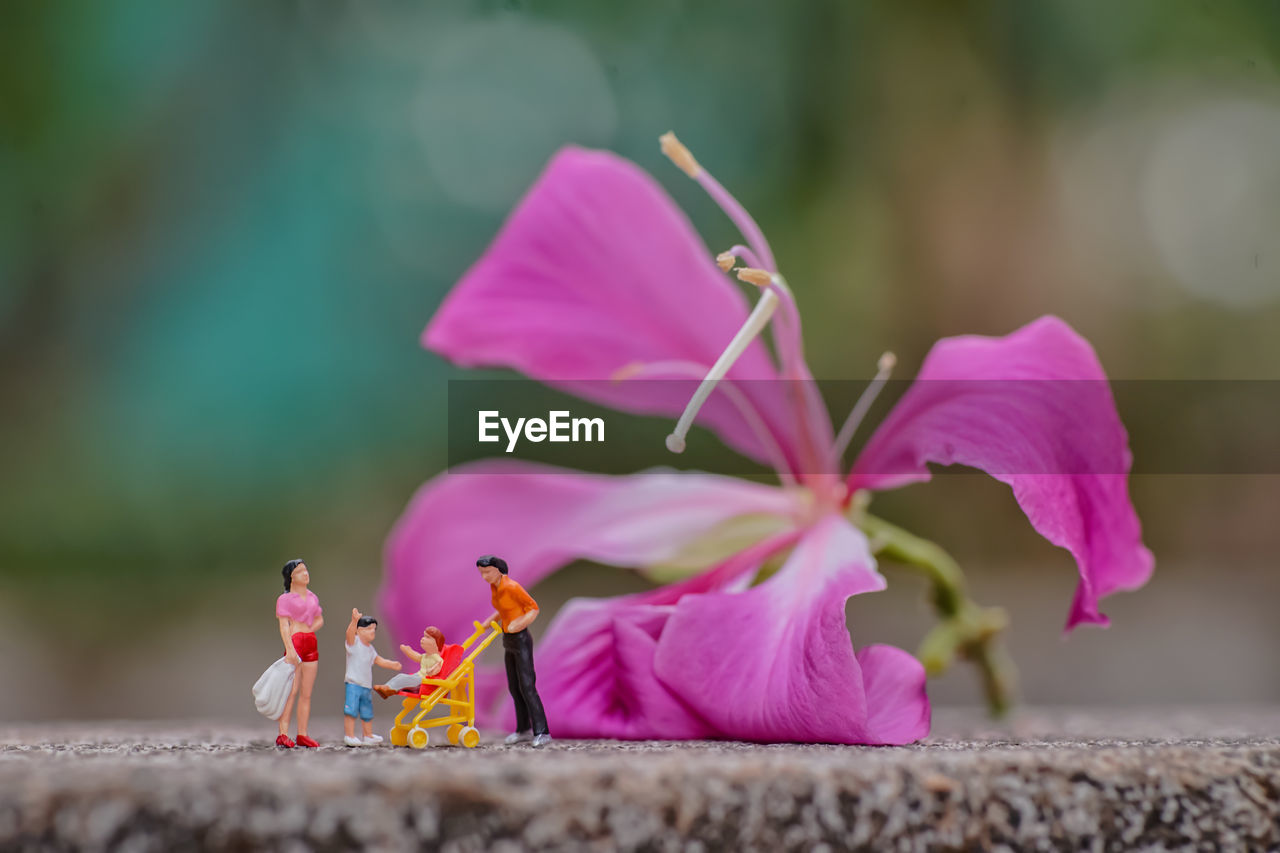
(300, 617)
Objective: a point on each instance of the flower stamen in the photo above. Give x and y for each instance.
(750, 413)
(815, 422)
(760, 278)
(883, 368)
(755, 323)
(681, 156)
(726, 260)
(740, 251)
(677, 153)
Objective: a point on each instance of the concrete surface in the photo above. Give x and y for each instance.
(1067, 780)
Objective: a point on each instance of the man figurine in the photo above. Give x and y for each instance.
(515, 611)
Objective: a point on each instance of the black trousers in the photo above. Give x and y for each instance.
(522, 682)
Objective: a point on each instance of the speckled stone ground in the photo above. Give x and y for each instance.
(1065, 780)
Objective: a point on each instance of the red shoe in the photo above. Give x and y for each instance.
(303, 740)
(284, 742)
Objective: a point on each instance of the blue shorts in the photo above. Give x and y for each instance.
(358, 701)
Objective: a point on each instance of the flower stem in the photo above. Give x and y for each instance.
(966, 629)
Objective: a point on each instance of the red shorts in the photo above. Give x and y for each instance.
(304, 643)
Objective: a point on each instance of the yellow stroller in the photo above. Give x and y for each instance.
(456, 692)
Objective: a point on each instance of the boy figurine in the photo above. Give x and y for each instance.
(361, 657)
(515, 611)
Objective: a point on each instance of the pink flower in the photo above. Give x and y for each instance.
(597, 275)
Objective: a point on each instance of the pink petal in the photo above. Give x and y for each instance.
(597, 270)
(602, 682)
(894, 681)
(599, 681)
(1059, 444)
(775, 662)
(539, 518)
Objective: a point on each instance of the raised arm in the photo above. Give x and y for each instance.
(351, 627)
(411, 653)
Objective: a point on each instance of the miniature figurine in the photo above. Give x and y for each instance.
(300, 615)
(437, 659)
(358, 699)
(515, 611)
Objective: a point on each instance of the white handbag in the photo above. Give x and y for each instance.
(271, 691)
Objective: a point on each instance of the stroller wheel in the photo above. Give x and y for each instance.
(452, 733)
(470, 737)
(418, 737)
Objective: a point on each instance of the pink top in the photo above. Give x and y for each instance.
(303, 609)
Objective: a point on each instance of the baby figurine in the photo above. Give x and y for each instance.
(437, 659)
(430, 660)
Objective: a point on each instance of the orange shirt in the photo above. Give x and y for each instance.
(511, 601)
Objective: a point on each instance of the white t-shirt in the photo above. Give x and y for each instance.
(360, 663)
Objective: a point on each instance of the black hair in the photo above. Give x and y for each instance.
(287, 571)
(366, 621)
(490, 560)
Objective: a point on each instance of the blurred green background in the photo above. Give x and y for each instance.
(224, 224)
